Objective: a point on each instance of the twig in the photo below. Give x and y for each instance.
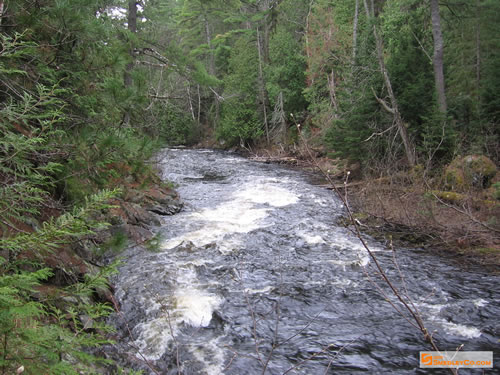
(404, 300)
(468, 214)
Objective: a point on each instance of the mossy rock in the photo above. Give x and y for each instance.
(471, 171)
(449, 196)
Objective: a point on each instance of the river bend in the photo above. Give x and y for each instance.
(256, 273)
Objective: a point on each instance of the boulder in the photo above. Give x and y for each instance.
(471, 171)
(160, 200)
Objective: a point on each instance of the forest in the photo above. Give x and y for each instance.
(407, 90)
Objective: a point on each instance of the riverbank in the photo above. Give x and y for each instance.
(405, 210)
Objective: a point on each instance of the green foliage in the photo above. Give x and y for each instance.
(348, 135)
(27, 135)
(177, 127)
(100, 158)
(57, 232)
(286, 71)
(116, 244)
(240, 123)
(52, 63)
(240, 120)
(37, 333)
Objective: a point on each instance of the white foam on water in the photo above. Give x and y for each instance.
(480, 302)
(190, 304)
(432, 312)
(265, 192)
(195, 307)
(227, 218)
(238, 215)
(263, 290)
(311, 238)
(211, 355)
(155, 336)
(460, 329)
(322, 202)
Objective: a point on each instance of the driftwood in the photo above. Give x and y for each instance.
(278, 159)
(341, 186)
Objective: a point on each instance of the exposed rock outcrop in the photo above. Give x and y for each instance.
(138, 210)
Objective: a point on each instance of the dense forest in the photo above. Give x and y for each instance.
(89, 89)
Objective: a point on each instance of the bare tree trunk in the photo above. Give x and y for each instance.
(2, 5)
(394, 109)
(191, 108)
(438, 56)
(333, 93)
(262, 84)
(199, 103)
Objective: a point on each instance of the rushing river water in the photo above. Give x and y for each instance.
(255, 273)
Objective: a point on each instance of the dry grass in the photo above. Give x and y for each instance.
(468, 226)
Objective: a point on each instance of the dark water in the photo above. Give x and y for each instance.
(255, 274)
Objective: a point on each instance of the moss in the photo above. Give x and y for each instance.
(454, 178)
(488, 250)
(458, 199)
(470, 171)
(449, 196)
(360, 216)
(496, 190)
(480, 164)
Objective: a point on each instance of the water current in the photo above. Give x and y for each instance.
(255, 274)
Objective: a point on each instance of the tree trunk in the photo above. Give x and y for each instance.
(127, 75)
(198, 116)
(2, 5)
(308, 49)
(394, 109)
(262, 84)
(191, 108)
(333, 93)
(265, 6)
(478, 52)
(211, 64)
(438, 56)
(132, 27)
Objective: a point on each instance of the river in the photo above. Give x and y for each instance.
(255, 274)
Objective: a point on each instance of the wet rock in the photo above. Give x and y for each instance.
(138, 234)
(162, 201)
(157, 199)
(87, 321)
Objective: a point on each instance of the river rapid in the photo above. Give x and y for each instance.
(255, 276)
